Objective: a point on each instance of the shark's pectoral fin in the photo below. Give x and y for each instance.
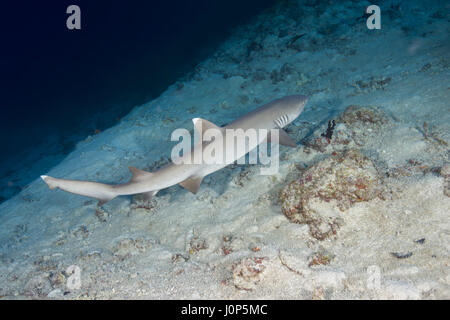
(192, 184)
(283, 139)
(139, 175)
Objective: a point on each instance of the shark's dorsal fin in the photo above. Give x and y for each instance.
(201, 125)
(139, 175)
(283, 139)
(192, 184)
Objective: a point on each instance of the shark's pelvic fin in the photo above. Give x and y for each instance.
(139, 175)
(192, 184)
(148, 196)
(283, 139)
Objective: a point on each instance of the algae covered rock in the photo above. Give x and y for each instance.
(363, 122)
(328, 188)
(360, 115)
(353, 128)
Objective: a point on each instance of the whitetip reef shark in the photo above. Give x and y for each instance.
(272, 116)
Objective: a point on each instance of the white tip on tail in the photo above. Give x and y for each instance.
(49, 181)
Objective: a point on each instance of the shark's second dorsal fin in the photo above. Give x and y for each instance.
(139, 175)
(283, 139)
(192, 184)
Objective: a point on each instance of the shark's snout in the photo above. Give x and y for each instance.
(302, 100)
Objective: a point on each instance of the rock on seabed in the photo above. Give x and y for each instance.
(327, 189)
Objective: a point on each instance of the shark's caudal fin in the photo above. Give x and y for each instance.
(102, 192)
(49, 181)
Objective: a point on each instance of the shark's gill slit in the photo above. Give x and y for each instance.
(281, 121)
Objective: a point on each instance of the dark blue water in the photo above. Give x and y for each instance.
(58, 85)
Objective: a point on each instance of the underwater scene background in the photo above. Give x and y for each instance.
(358, 210)
(61, 85)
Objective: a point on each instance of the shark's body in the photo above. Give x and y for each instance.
(274, 115)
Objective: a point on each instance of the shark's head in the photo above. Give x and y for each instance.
(287, 109)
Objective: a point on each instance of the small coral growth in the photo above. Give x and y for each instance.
(248, 272)
(334, 183)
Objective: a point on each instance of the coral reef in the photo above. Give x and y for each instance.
(336, 182)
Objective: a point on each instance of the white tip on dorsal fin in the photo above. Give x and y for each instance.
(283, 139)
(192, 184)
(201, 125)
(139, 175)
